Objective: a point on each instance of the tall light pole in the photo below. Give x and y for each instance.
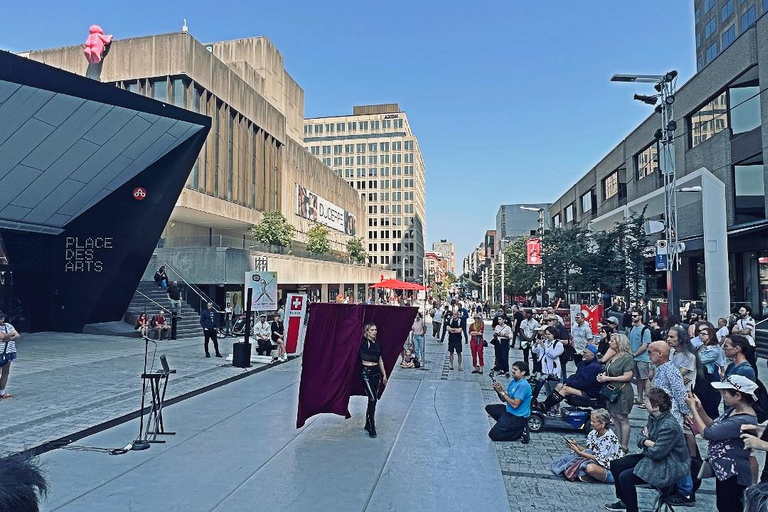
(502, 278)
(665, 88)
(540, 211)
(493, 283)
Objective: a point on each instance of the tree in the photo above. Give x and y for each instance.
(564, 251)
(317, 239)
(519, 277)
(356, 249)
(273, 230)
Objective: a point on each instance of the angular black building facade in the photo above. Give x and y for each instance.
(89, 175)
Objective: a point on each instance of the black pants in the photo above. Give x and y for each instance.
(371, 376)
(508, 427)
(442, 336)
(502, 355)
(730, 495)
(526, 351)
(464, 330)
(210, 334)
(264, 347)
(752, 359)
(625, 481)
(436, 329)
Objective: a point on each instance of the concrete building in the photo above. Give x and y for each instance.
(448, 250)
(489, 244)
(436, 266)
(376, 152)
(720, 22)
(721, 115)
(513, 222)
(252, 162)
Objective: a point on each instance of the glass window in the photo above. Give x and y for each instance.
(556, 222)
(708, 5)
(698, 15)
(765, 6)
(611, 185)
(728, 36)
(748, 18)
(647, 161)
(569, 213)
(744, 105)
(711, 52)
(711, 27)
(727, 10)
(586, 203)
(160, 89)
(698, 39)
(712, 118)
(179, 93)
(133, 87)
(749, 190)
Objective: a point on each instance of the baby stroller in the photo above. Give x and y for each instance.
(238, 329)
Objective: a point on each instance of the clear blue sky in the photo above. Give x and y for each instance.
(511, 100)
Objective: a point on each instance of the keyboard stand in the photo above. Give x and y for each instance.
(158, 383)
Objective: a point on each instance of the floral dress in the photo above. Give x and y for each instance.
(726, 449)
(605, 448)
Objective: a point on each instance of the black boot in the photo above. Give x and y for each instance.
(526, 437)
(552, 400)
(370, 414)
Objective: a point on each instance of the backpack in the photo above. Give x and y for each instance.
(761, 406)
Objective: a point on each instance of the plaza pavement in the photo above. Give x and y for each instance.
(236, 447)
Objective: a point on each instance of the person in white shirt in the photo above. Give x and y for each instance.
(437, 322)
(745, 326)
(527, 333)
(263, 333)
(722, 329)
(8, 337)
(549, 351)
(502, 333)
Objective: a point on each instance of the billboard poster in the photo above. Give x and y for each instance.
(533, 247)
(315, 208)
(264, 285)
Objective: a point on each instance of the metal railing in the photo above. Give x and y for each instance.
(194, 296)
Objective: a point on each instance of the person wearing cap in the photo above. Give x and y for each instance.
(581, 333)
(727, 454)
(8, 337)
(476, 331)
(582, 383)
(263, 332)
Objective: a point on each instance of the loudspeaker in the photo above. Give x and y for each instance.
(241, 354)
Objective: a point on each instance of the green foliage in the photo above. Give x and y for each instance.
(317, 239)
(519, 277)
(273, 230)
(356, 249)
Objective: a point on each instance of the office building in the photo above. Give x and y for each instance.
(448, 251)
(512, 222)
(720, 22)
(252, 162)
(376, 152)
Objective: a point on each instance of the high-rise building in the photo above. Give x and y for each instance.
(719, 22)
(448, 251)
(513, 221)
(376, 151)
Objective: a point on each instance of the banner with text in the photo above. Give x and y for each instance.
(295, 311)
(313, 207)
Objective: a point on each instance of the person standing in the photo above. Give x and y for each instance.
(263, 334)
(527, 333)
(278, 337)
(418, 330)
(209, 321)
(512, 416)
(745, 326)
(735, 348)
(373, 373)
(639, 339)
(464, 316)
(454, 339)
(581, 333)
(437, 322)
(8, 337)
(476, 331)
(502, 333)
(447, 315)
(174, 297)
(517, 318)
(618, 374)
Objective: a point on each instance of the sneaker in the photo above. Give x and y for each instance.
(586, 479)
(4, 396)
(678, 500)
(526, 437)
(219, 355)
(618, 506)
(207, 355)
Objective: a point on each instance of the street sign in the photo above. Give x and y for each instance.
(474, 294)
(139, 193)
(662, 258)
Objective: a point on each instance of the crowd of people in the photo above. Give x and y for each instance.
(692, 377)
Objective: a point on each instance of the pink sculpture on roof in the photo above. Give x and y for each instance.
(97, 45)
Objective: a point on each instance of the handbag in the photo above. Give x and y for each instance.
(571, 473)
(5, 357)
(611, 393)
(706, 471)
(485, 343)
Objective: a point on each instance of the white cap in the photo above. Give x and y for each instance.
(738, 383)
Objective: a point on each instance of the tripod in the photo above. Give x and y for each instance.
(141, 443)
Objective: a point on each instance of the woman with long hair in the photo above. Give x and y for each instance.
(373, 373)
(710, 357)
(682, 355)
(618, 374)
(604, 351)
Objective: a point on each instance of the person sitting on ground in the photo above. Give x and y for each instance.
(602, 447)
(160, 325)
(737, 348)
(22, 484)
(664, 460)
(512, 416)
(582, 383)
(407, 361)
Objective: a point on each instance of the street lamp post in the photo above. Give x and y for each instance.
(540, 211)
(502, 278)
(665, 87)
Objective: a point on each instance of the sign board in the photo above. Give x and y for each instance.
(533, 247)
(474, 294)
(313, 207)
(662, 257)
(264, 285)
(592, 315)
(295, 312)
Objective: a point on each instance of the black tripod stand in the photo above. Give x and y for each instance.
(141, 442)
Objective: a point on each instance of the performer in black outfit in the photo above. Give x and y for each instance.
(372, 374)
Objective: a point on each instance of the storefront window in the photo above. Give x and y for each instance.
(750, 192)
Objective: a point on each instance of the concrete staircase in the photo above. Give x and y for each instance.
(188, 326)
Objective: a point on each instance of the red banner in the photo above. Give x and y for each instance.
(534, 251)
(297, 308)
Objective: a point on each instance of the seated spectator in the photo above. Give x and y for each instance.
(142, 325)
(604, 351)
(159, 325)
(594, 458)
(664, 460)
(512, 416)
(21, 484)
(407, 361)
(582, 383)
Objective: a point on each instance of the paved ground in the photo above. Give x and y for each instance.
(78, 381)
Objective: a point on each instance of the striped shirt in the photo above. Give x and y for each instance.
(7, 328)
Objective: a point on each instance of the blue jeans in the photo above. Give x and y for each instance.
(685, 486)
(418, 346)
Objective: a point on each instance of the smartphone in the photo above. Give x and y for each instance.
(566, 439)
(492, 377)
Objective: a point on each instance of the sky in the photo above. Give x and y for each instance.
(511, 100)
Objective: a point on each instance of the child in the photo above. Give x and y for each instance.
(407, 359)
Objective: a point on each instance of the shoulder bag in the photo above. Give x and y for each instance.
(611, 391)
(5, 357)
